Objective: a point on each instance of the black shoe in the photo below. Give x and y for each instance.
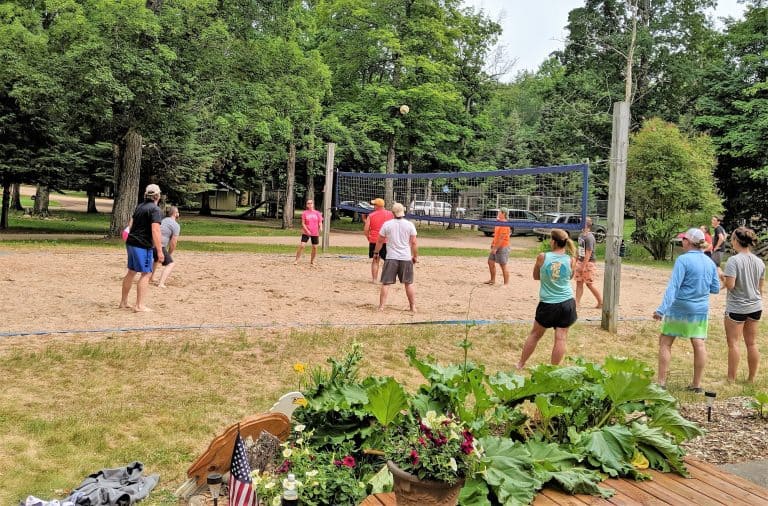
(696, 390)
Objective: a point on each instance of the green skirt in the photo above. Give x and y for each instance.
(686, 326)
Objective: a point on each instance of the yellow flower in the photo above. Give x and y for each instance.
(299, 367)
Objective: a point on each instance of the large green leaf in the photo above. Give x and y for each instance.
(552, 462)
(655, 438)
(610, 449)
(549, 379)
(624, 387)
(669, 419)
(474, 493)
(509, 471)
(385, 401)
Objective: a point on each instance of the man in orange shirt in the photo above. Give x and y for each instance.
(371, 230)
(499, 251)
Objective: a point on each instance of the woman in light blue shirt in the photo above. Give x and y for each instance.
(557, 307)
(684, 311)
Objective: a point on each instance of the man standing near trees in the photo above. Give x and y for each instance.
(373, 224)
(143, 239)
(718, 240)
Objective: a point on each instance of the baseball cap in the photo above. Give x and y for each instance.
(398, 210)
(378, 202)
(152, 189)
(694, 235)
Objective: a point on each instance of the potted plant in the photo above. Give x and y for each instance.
(429, 459)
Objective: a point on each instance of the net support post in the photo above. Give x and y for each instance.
(616, 185)
(327, 196)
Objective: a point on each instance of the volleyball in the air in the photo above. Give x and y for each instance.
(404, 109)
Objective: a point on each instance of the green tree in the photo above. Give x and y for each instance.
(734, 111)
(670, 183)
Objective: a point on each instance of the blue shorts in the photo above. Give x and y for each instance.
(140, 259)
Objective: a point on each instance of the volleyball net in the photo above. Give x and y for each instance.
(557, 196)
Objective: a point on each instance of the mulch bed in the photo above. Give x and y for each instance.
(735, 434)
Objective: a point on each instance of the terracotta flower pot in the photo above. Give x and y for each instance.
(411, 491)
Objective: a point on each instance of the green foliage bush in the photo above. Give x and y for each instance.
(567, 425)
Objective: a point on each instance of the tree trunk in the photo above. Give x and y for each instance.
(205, 203)
(290, 183)
(42, 198)
(128, 187)
(16, 201)
(115, 168)
(6, 204)
(389, 183)
(91, 203)
(311, 180)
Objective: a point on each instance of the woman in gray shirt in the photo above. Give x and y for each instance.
(743, 277)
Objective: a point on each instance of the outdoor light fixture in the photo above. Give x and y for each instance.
(214, 485)
(710, 396)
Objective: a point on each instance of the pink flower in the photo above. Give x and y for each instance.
(338, 463)
(348, 461)
(414, 457)
(422, 442)
(284, 467)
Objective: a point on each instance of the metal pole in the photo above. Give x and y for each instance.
(327, 196)
(616, 183)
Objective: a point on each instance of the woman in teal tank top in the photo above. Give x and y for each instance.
(557, 307)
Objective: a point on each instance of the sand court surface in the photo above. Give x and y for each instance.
(72, 289)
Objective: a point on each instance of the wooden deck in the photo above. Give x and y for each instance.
(708, 485)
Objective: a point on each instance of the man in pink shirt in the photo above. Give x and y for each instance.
(311, 226)
(371, 230)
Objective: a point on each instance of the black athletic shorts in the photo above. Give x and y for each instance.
(382, 251)
(315, 238)
(560, 315)
(741, 318)
(167, 256)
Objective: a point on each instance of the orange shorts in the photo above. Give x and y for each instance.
(588, 276)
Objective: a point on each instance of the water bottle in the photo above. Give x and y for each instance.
(290, 491)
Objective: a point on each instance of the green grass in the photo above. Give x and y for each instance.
(28, 202)
(71, 405)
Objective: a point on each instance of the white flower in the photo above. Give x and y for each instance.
(452, 464)
(287, 452)
(276, 501)
(310, 474)
(269, 485)
(300, 441)
(299, 427)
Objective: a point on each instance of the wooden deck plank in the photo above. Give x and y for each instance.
(561, 497)
(674, 485)
(712, 471)
(542, 500)
(632, 490)
(708, 485)
(380, 500)
(724, 492)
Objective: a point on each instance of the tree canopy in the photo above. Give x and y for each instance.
(97, 94)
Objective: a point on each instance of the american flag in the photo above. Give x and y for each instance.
(240, 483)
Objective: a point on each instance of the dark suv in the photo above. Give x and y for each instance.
(524, 221)
(572, 219)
